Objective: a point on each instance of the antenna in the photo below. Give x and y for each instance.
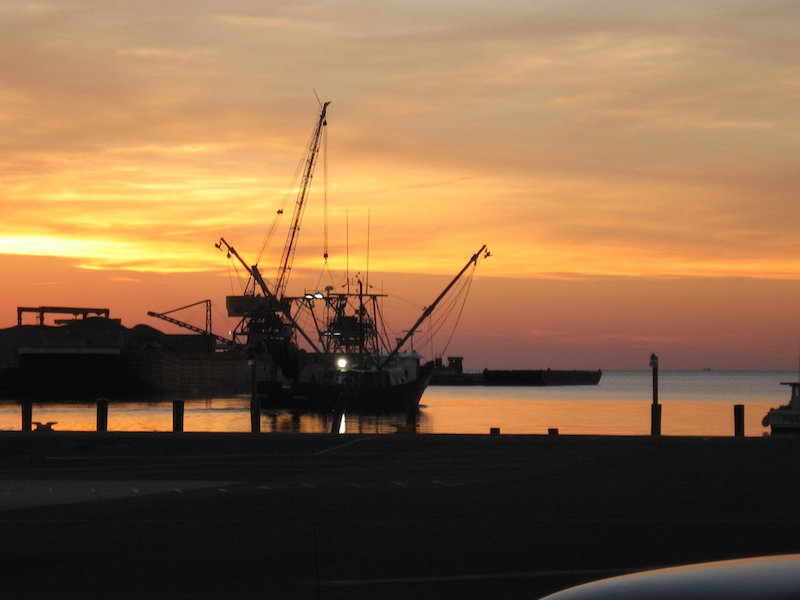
(369, 214)
(347, 238)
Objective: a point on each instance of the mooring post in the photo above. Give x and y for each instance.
(177, 416)
(655, 409)
(255, 405)
(255, 415)
(738, 420)
(102, 414)
(27, 415)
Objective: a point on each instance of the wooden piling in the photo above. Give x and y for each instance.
(177, 416)
(102, 414)
(255, 415)
(27, 415)
(255, 402)
(738, 420)
(655, 419)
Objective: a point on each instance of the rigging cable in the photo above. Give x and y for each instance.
(243, 290)
(271, 231)
(285, 198)
(460, 312)
(325, 270)
(437, 324)
(383, 338)
(438, 319)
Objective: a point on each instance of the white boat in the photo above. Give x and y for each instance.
(785, 419)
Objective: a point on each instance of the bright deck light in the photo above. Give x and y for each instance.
(341, 363)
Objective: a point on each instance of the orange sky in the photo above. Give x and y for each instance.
(632, 168)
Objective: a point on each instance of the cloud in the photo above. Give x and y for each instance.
(570, 136)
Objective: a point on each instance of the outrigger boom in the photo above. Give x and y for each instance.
(427, 312)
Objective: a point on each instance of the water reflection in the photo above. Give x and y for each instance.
(293, 421)
(202, 415)
(693, 404)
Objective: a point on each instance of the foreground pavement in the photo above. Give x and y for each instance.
(190, 515)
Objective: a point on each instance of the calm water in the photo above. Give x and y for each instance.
(694, 403)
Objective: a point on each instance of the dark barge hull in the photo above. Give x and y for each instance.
(539, 377)
(97, 357)
(67, 376)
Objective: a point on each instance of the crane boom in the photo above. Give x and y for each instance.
(177, 322)
(294, 230)
(207, 331)
(251, 270)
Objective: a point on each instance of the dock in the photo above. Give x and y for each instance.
(130, 515)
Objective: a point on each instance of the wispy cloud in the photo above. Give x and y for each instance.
(571, 136)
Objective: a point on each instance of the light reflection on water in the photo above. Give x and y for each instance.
(693, 404)
(211, 415)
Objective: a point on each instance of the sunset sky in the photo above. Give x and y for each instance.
(632, 166)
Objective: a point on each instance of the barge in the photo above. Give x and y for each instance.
(453, 374)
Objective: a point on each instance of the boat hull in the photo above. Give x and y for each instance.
(783, 421)
(363, 392)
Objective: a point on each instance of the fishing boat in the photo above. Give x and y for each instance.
(785, 419)
(348, 361)
(357, 367)
(326, 348)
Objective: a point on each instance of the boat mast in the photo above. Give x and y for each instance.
(427, 312)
